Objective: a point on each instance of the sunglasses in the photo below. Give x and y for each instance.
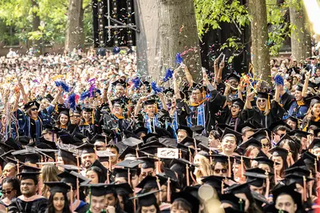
(265, 145)
(261, 100)
(76, 116)
(220, 170)
(7, 192)
(235, 106)
(33, 109)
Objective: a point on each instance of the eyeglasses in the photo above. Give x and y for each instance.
(265, 145)
(220, 170)
(235, 106)
(261, 100)
(7, 191)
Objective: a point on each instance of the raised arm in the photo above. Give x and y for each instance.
(164, 105)
(175, 84)
(305, 85)
(139, 105)
(187, 73)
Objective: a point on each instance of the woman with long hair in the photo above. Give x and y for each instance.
(49, 173)
(63, 120)
(10, 190)
(58, 201)
(279, 157)
(203, 167)
(313, 114)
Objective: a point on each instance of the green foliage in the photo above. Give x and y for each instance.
(210, 13)
(18, 14)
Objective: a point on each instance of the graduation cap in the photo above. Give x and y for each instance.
(298, 170)
(141, 130)
(292, 179)
(299, 133)
(86, 148)
(278, 151)
(70, 177)
(49, 97)
(67, 138)
(233, 76)
(123, 188)
(217, 182)
(313, 100)
(26, 156)
(146, 199)
(129, 163)
(246, 160)
(22, 140)
(221, 158)
(293, 119)
(263, 159)
(261, 133)
(67, 156)
(132, 142)
(238, 102)
(29, 171)
(87, 109)
(151, 100)
(13, 144)
(147, 162)
(250, 142)
(149, 182)
(232, 200)
(57, 186)
(315, 144)
(264, 95)
(228, 131)
(185, 128)
(98, 138)
(120, 101)
(96, 190)
(256, 176)
(299, 87)
(190, 199)
(44, 142)
(198, 129)
(31, 104)
(277, 124)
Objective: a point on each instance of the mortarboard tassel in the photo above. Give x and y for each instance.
(304, 189)
(267, 185)
(187, 173)
(229, 169)
(137, 153)
(18, 169)
(195, 145)
(241, 164)
(190, 154)
(210, 156)
(241, 204)
(168, 190)
(71, 198)
(108, 178)
(129, 175)
(310, 184)
(316, 166)
(78, 165)
(275, 175)
(159, 188)
(222, 186)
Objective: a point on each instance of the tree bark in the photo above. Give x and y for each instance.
(167, 27)
(300, 36)
(37, 44)
(74, 33)
(259, 36)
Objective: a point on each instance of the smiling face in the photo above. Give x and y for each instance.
(286, 203)
(278, 163)
(228, 145)
(58, 201)
(298, 95)
(316, 109)
(262, 103)
(235, 110)
(64, 119)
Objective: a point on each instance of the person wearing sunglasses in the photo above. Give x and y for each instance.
(232, 115)
(266, 111)
(10, 190)
(220, 165)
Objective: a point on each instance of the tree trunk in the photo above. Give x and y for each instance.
(35, 27)
(74, 33)
(259, 36)
(167, 27)
(300, 36)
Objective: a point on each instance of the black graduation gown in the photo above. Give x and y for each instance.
(211, 106)
(38, 205)
(226, 118)
(286, 100)
(276, 113)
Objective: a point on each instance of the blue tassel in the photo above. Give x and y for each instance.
(84, 95)
(208, 96)
(179, 59)
(279, 80)
(168, 75)
(64, 86)
(155, 88)
(136, 82)
(72, 101)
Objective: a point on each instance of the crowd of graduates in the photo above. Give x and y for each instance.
(85, 132)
